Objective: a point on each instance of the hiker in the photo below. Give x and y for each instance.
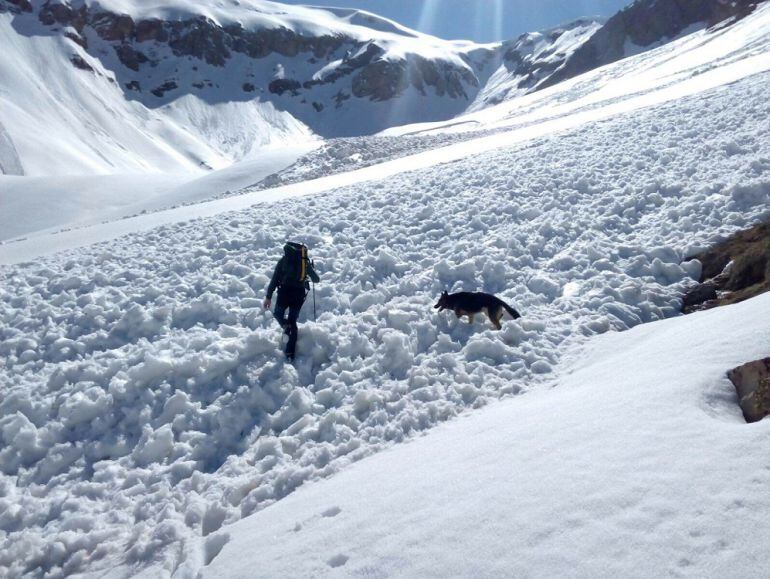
(291, 278)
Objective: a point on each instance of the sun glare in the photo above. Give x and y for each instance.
(488, 20)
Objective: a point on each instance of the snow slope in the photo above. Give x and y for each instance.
(636, 462)
(45, 205)
(146, 403)
(704, 59)
(60, 120)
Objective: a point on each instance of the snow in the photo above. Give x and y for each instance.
(635, 462)
(505, 84)
(165, 400)
(151, 426)
(77, 201)
(91, 128)
(686, 66)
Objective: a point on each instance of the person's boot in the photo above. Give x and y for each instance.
(292, 345)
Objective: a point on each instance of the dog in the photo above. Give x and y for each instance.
(471, 303)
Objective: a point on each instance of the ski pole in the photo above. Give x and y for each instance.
(315, 317)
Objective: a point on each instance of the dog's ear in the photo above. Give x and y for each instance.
(444, 293)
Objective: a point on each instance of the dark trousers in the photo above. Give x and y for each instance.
(289, 298)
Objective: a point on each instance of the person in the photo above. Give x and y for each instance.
(291, 277)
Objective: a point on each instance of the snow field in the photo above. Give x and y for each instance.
(68, 202)
(146, 403)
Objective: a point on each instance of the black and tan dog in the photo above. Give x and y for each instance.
(471, 303)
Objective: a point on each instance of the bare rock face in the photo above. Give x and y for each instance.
(15, 6)
(752, 383)
(79, 62)
(644, 23)
(130, 57)
(381, 80)
(733, 270)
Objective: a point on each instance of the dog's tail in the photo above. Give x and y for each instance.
(514, 314)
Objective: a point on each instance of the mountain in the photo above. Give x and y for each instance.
(646, 24)
(164, 85)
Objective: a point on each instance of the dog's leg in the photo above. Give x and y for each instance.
(470, 318)
(495, 315)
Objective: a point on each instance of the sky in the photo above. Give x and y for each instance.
(479, 20)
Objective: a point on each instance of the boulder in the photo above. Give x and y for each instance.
(752, 383)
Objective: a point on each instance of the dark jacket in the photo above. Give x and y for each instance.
(280, 273)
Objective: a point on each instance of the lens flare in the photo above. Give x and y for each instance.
(428, 16)
(488, 18)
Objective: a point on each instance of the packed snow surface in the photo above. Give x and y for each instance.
(147, 403)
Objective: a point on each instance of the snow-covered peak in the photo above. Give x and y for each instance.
(525, 63)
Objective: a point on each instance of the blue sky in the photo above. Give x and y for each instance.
(480, 20)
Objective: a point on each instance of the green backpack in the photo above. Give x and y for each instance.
(295, 263)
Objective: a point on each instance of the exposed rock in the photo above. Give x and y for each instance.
(57, 13)
(152, 29)
(76, 38)
(15, 6)
(167, 86)
(130, 57)
(699, 294)
(201, 38)
(736, 269)
(349, 65)
(282, 85)
(134, 85)
(752, 383)
(340, 98)
(111, 26)
(381, 80)
(318, 106)
(80, 63)
(248, 87)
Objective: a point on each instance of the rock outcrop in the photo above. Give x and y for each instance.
(752, 383)
(15, 6)
(732, 271)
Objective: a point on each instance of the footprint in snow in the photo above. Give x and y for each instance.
(331, 512)
(338, 560)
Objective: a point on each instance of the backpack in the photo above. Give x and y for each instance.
(295, 263)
